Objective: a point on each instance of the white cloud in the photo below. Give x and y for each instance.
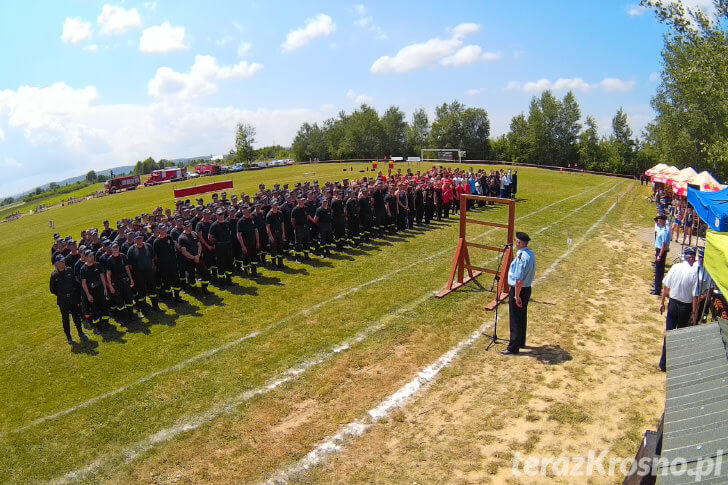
(446, 52)
(151, 6)
(475, 91)
(117, 20)
(319, 26)
(161, 39)
(359, 98)
(244, 49)
(91, 48)
(200, 80)
(469, 54)
(367, 22)
(636, 10)
(71, 133)
(76, 31)
(608, 85)
(2, 135)
(654, 77)
(11, 163)
(224, 40)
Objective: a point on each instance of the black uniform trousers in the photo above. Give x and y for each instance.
(69, 309)
(122, 299)
(302, 240)
(224, 257)
(197, 271)
(251, 258)
(659, 271)
(326, 238)
(518, 318)
(678, 316)
(168, 277)
(340, 232)
(275, 246)
(144, 285)
(99, 307)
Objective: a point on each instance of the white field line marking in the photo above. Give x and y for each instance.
(336, 443)
(190, 423)
(134, 451)
(233, 343)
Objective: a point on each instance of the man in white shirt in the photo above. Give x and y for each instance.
(678, 285)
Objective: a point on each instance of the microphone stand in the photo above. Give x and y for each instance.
(496, 279)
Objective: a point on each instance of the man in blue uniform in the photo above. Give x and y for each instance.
(662, 246)
(520, 278)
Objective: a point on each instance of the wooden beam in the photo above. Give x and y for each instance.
(482, 270)
(486, 223)
(483, 246)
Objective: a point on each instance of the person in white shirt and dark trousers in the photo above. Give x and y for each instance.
(679, 286)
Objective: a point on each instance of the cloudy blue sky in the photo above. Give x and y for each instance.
(92, 85)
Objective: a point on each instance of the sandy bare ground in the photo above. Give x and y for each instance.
(588, 382)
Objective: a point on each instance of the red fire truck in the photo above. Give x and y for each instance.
(208, 169)
(128, 182)
(164, 175)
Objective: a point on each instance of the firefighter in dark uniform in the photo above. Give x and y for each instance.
(191, 249)
(288, 237)
(390, 203)
(174, 234)
(260, 225)
(339, 220)
(429, 204)
(93, 282)
(119, 279)
(84, 306)
(323, 221)
(249, 242)
(208, 248)
(411, 207)
(63, 284)
(419, 204)
(129, 242)
(299, 221)
(351, 210)
(235, 244)
(141, 260)
(366, 216)
(165, 256)
(312, 204)
(220, 235)
(274, 228)
(380, 210)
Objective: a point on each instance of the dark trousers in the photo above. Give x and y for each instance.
(518, 318)
(659, 271)
(69, 310)
(678, 316)
(224, 257)
(144, 285)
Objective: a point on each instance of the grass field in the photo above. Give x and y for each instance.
(51, 200)
(242, 384)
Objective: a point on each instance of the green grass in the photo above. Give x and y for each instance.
(40, 375)
(51, 200)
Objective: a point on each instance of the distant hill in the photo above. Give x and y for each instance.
(72, 180)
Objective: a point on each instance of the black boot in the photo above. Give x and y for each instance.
(177, 297)
(254, 271)
(280, 262)
(155, 304)
(228, 278)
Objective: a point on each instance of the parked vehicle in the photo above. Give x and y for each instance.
(128, 182)
(164, 175)
(238, 167)
(193, 175)
(208, 169)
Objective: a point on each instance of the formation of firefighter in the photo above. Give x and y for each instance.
(154, 255)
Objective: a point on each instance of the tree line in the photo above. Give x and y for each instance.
(550, 134)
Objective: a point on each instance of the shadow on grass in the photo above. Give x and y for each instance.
(547, 354)
(238, 289)
(289, 270)
(207, 298)
(88, 347)
(112, 334)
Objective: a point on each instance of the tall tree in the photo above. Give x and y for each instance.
(590, 152)
(691, 103)
(394, 132)
(91, 176)
(244, 140)
(622, 140)
(567, 130)
(519, 147)
(418, 131)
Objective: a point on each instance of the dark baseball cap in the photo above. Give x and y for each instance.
(661, 217)
(522, 236)
(138, 235)
(58, 258)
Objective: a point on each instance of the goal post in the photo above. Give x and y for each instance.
(443, 154)
(461, 262)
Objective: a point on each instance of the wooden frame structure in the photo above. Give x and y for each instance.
(461, 261)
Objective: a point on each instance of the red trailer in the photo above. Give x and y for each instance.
(164, 175)
(208, 169)
(128, 182)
